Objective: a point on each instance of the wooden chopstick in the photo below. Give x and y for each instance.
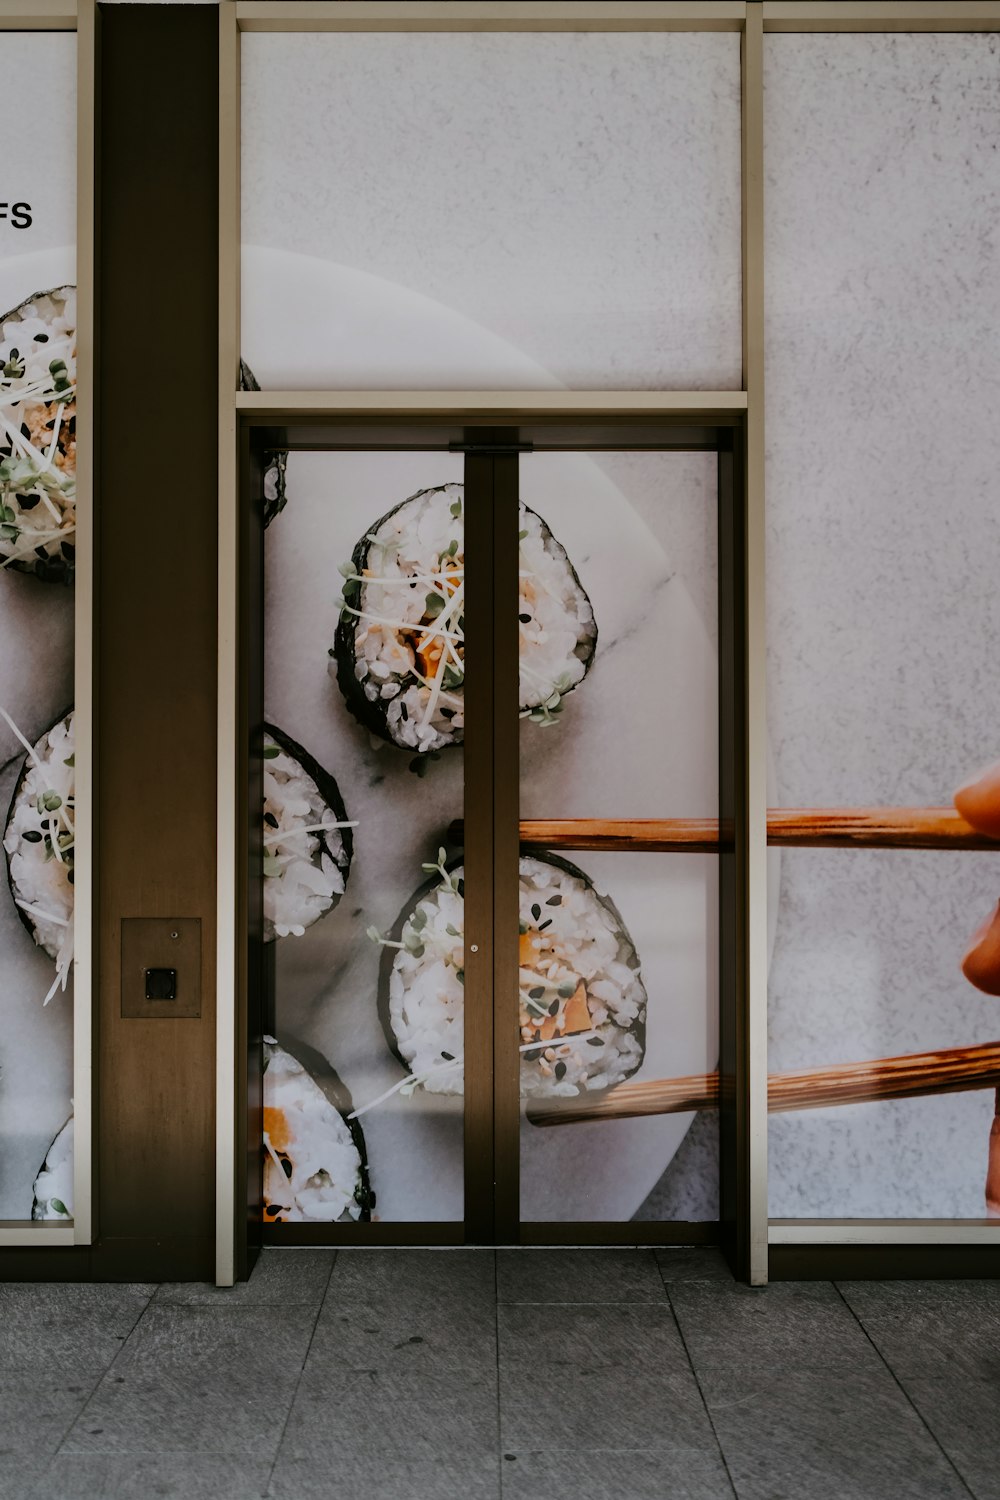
(874, 828)
(945, 1072)
(787, 827)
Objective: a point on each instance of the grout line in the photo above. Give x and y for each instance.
(106, 1372)
(288, 1414)
(906, 1396)
(701, 1393)
(579, 1302)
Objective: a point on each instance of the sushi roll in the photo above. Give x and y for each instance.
(38, 436)
(315, 1164)
(582, 1003)
(276, 464)
(307, 839)
(275, 486)
(53, 1187)
(39, 845)
(399, 649)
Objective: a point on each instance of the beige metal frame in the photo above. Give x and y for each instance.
(752, 18)
(78, 16)
(756, 639)
(43, 15)
(881, 15)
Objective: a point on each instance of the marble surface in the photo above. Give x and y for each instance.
(883, 451)
(575, 196)
(655, 673)
(36, 619)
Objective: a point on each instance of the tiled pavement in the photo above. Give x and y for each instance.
(515, 1375)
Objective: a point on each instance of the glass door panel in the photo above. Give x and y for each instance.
(450, 209)
(618, 942)
(363, 773)
(883, 367)
(490, 908)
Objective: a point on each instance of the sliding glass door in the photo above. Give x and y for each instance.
(488, 760)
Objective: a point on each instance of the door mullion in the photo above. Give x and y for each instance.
(479, 852)
(506, 812)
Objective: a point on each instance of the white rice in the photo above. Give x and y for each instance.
(319, 1177)
(38, 472)
(304, 853)
(407, 607)
(39, 843)
(53, 1187)
(571, 937)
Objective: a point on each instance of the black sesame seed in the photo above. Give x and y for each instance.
(536, 911)
(554, 901)
(536, 994)
(595, 1041)
(524, 619)
(270, 820)
(560, 1070)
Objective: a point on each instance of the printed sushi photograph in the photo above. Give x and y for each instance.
(364, 884)
(38, 373)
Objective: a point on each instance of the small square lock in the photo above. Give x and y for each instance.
(161, 974)
(161, 984)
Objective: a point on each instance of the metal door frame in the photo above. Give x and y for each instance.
(492, 443)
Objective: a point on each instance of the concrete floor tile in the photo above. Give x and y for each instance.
(692, 1263)
(434, 1276)
(37, 1411)
(964, 1416)
(551, 1276)
(77, 1298)
(281, 1278)
(76, 1328)
(346, 1477)
(19, 1478)
(932, 1329)
(825, 1434)
(257, 1341)
(667, 1474)
(402, 1342)
(171, 1476)
(372, 1422)
(784, 1326)
(592, 1376)
(205, 1412)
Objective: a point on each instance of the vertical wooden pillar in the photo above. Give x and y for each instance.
(156, 561)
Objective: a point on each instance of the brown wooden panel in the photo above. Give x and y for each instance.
(156, 612)
(882, 1262)
(479, 771)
